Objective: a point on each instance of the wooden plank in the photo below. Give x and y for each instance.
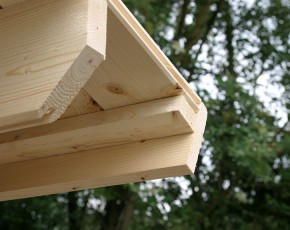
(83, 103)
(153, 50)
(135, 69)
(161, 118)
(158, 158)
(133, 58)
(41, 71)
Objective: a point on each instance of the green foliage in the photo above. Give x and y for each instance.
(236, 55)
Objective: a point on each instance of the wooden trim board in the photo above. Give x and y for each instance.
(158, 158)
(161, 118)
(46, 57)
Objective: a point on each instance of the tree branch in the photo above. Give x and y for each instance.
(181, 20)
(74, 224)
(229, 38)
(201, 18)
(209, 26)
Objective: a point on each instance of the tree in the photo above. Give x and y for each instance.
(236, 55)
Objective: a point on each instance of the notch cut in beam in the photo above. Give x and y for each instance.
(155, 119)
(152, 159)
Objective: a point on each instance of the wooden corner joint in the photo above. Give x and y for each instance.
(55, 55)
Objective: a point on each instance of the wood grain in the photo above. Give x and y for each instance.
(135, 69)
(154, 51)
(6, 3)
(161, 118)
(83, 103)
(153, 123)
(145, 160)
(41, 71)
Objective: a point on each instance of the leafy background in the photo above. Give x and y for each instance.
(235, 54)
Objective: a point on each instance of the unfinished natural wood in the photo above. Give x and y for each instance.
(58, 48)
(152, 124)
(83, 103)
(145, 160)
(161, 118)
(5, 3)
(135, 69)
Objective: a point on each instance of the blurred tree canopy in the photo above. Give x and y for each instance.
(235, 54)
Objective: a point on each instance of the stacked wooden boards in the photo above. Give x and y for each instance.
(130, 117)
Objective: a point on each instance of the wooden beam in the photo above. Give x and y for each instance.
(135, 69)
(161, 118)
(83, 103)
(41, 71)
(145, 160)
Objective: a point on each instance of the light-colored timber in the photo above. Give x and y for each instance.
(83, 103)
(129, 118)
(155, 119)
(46, 57)
(139, 161)
(135, 69)
(5, 3)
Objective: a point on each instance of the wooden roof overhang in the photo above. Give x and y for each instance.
(87, 99)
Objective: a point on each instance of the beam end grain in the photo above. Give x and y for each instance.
(197, 139)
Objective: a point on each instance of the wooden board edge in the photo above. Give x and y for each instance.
(64, 93)
(89, 58)
(140, 122)
(198, 136)
(152, 159)
(72, 82)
